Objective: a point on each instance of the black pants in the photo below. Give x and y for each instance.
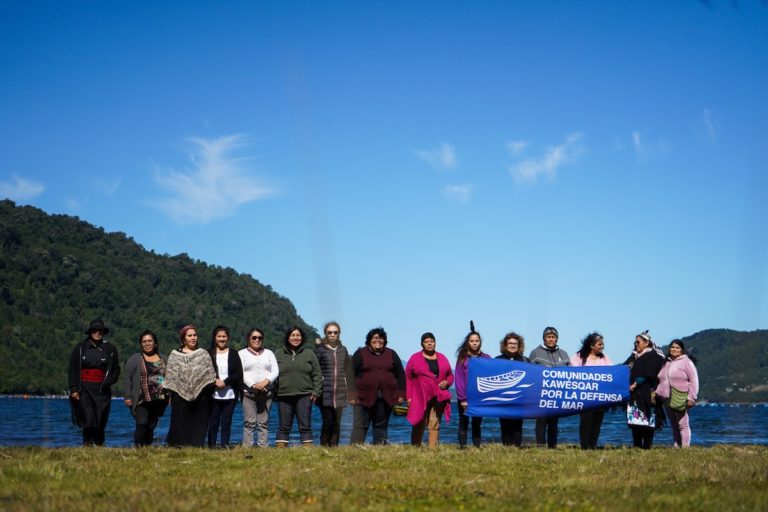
(642, 437)
(147, 415)
(221, 414)
(331, 429)
(546, 432)
(464, 427)
(589, 428)
(511, 432)
(93, 436)
(378, 414)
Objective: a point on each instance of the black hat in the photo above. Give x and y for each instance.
(550, 330)
(97, 325)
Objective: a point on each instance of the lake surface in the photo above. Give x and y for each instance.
(46, 422)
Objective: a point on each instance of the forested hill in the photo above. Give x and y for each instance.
(57, 273)
(732, 365)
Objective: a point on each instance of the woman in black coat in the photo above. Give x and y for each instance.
(227, 388)
(644, 415)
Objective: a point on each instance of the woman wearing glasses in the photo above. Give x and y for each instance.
(336, 367)
(259, 374)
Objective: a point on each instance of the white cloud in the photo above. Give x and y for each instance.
(637, 143)
(516, 147)
(215, 185)
(547, 164)
(19, 189)
(711, 125)
(459, 193)
(108, 187)
(442, 158)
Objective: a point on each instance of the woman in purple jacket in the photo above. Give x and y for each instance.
(469, 348)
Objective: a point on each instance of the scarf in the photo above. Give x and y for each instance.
(189, 374)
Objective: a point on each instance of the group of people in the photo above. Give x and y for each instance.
(202, 387)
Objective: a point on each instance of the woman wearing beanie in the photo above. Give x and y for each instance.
(550, 355)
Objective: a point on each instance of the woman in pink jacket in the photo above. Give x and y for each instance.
(428, 376)
(679, 372)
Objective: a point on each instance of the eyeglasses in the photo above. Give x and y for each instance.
(331, 332)
(257, 337)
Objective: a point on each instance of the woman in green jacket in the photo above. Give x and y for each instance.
(299, 385)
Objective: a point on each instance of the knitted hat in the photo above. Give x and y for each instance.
(646, 336)
(550, 330)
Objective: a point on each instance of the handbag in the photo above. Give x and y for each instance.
(678, 400)
(636, 417)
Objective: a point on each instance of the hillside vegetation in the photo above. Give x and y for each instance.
(57, 273)
(732, 365)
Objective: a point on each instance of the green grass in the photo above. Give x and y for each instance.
(384, 478)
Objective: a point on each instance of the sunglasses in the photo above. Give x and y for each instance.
(257, 337)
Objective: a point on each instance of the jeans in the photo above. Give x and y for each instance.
(464, 427)
(221, 414)
(331, 429)
(589, 428)
(147, 415)
(256, 407)
(378, 414)
(546, 432)
(299, 407)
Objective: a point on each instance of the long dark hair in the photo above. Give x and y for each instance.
(154, 338)
(586, 346)
(215, 332)
(463, 350)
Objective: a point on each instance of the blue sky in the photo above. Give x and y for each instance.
(414, 165)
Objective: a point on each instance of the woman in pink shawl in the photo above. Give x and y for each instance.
(428, 376)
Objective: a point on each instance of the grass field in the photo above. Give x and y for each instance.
(384, 478)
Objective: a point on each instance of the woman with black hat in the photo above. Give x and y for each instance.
(93, 369)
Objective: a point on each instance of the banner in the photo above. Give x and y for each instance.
(510, 389)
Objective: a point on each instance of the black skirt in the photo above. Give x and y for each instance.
(189, 420)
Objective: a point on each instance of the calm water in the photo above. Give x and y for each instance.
(45, 422)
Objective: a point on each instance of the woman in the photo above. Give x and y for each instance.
(469, 348)
(679, 372)
(299, 385)
(379, 385)
(336, 367)
(144, 391)
(226, 388)
(643, 415)
(189, 375)
(93, 369)
(512, 347)
(428, 376)
(591, 354)
(260, 372)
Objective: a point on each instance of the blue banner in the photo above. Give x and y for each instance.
(510, 389)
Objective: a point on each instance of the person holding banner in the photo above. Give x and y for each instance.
(591, 354)
(550, 355)
(643, 413)
(469, 348)
(512, 347)
(428, 376)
